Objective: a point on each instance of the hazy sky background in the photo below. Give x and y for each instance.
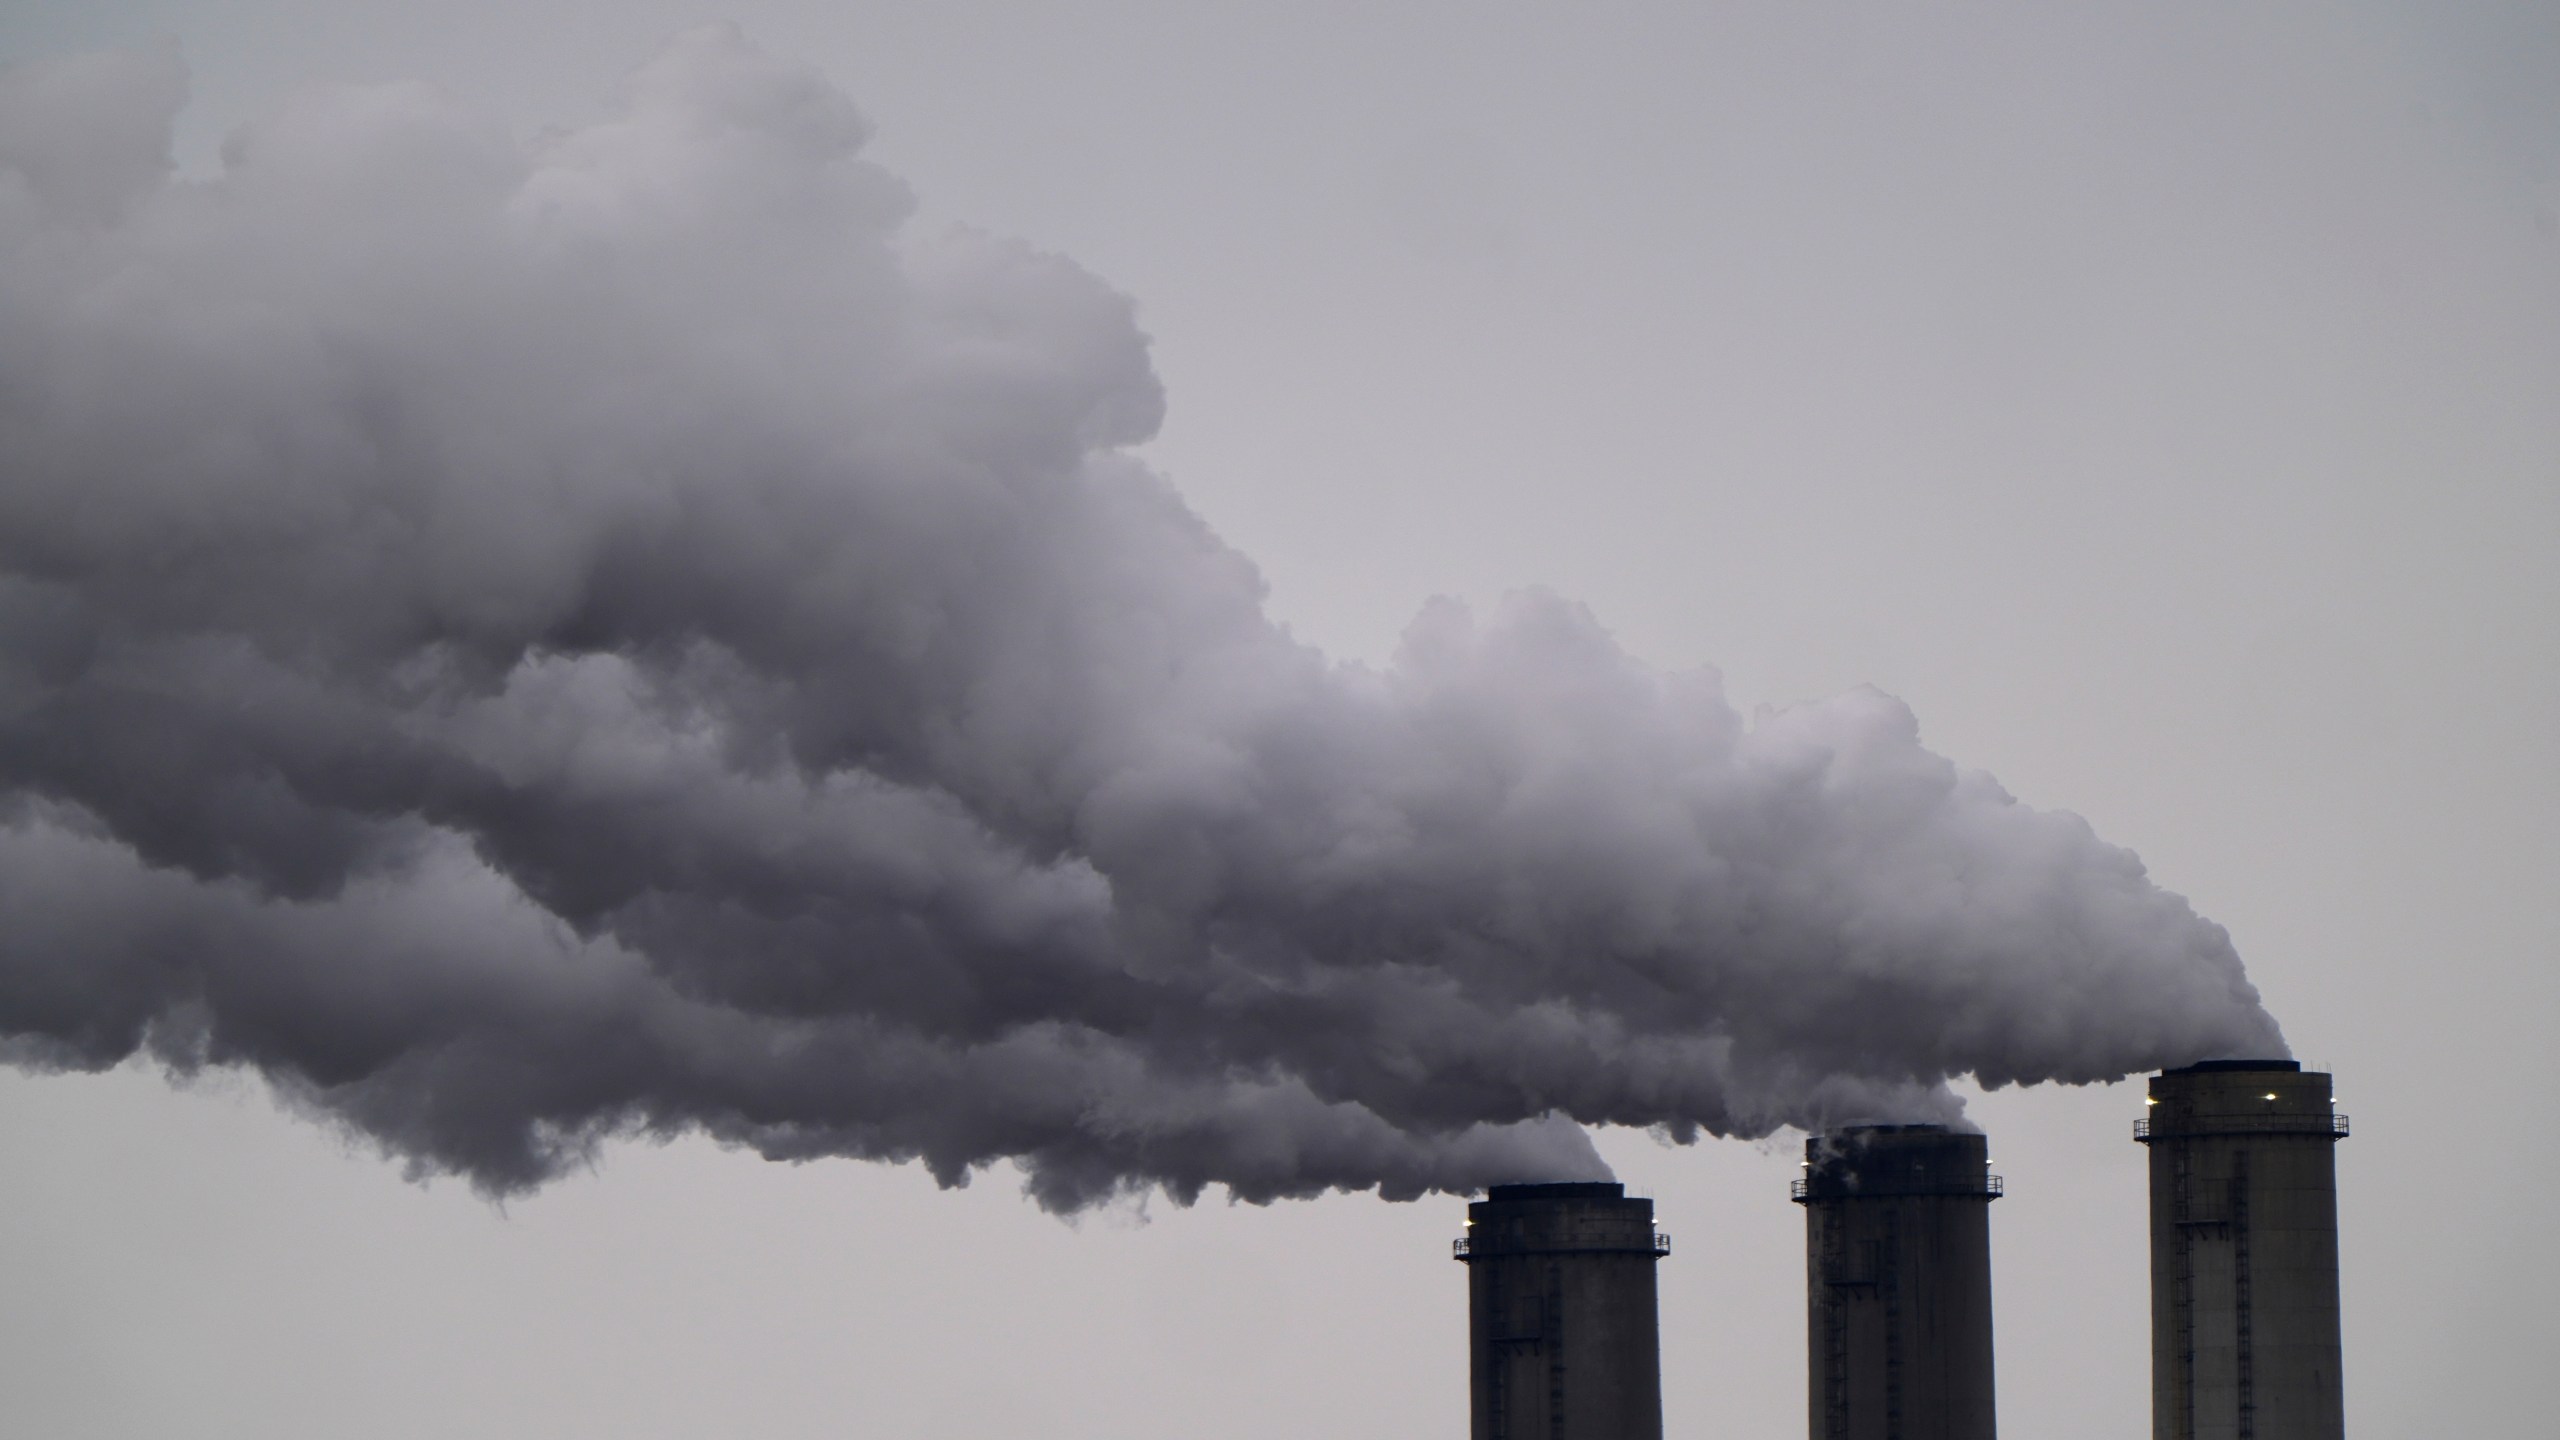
(2165, 403)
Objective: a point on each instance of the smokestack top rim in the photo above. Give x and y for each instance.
(1559, 1190)
(2223, 1067)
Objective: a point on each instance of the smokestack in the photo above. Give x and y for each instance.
(2244, 1252)
(1564, 1341)
(1898, 1283)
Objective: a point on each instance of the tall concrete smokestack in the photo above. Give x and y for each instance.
(2244, 1253)
(1564, 1340)
(1898, 1283)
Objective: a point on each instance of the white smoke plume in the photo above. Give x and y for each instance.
(526, 642)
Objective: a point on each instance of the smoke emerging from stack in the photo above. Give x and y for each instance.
(528, 642)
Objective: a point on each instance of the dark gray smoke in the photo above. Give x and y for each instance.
(523, 643)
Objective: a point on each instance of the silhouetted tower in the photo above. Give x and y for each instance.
(2244, 1253)
(1564, 1340)
(1898, 1283)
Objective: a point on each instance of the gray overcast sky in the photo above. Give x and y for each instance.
(2164, 401)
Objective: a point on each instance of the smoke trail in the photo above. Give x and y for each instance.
(527, 643)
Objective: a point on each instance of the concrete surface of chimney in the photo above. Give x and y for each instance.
(1564, 1337)
(1898, 1283)
(2244, 1253)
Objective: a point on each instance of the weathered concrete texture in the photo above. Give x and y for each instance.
(1565, 1339)
(2244, 1253)
(1898, 1284)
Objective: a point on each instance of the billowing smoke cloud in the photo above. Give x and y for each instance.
(528, 642)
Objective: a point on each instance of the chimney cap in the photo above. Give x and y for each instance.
(2213, 1067)
(1573, 1190)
